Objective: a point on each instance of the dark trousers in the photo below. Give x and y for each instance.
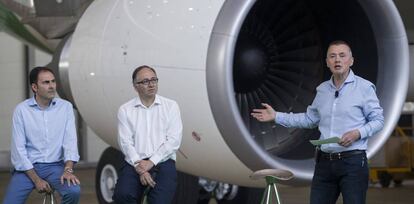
(348, 176)
(129, 190)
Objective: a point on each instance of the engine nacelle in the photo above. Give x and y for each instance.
(220, 59)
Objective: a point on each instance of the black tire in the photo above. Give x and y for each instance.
(245, 196)
(384, 179)
(190, 192)
(398, 182)
(107, 173)
(187, 189)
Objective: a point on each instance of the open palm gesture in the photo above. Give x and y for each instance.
(264, 115)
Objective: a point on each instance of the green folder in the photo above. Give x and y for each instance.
(325, 141)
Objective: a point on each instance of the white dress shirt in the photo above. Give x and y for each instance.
(152, 132)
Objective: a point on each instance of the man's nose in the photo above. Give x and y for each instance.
(337, 59)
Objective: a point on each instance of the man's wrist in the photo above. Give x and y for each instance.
(69, 170)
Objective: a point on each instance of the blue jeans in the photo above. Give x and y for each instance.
(348, 176)
(129, 189)
(21, 185)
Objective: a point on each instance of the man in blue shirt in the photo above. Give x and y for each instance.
(345, 106)
(44, 144)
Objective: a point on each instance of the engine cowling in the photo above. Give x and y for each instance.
(220, 59)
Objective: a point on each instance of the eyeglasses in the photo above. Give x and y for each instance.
(146, 82)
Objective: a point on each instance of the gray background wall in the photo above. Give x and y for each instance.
(13, 88)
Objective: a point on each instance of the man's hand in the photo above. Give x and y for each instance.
(264, 115)
(70, 178)
(42, 186)
(146, 179)
(144, 166)
(349, 137)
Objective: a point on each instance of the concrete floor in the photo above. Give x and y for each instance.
(290, 195)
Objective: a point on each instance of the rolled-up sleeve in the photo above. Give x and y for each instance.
(373, 113)
(309, 119)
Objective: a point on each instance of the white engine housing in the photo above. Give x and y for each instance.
(192, 44)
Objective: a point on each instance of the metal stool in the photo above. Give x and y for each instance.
(271, 176)
(49, 198)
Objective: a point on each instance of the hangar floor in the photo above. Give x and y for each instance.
(290, 195)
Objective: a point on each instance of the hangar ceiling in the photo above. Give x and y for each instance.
(50, 20)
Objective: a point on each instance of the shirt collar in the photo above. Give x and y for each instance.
(138, 101)
(350, 78)
(33, 102)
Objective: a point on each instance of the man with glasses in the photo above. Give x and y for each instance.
(149, 134)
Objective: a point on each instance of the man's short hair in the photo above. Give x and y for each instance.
(340, 42)
(134, 74)
(34, 74)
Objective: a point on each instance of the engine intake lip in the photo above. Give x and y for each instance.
(391, 77)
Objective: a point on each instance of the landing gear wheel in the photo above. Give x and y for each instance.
(398, 182)
(107, 174)
(187, 189)
(244, 196)
(384, 179)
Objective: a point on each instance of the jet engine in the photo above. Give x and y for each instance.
(220, 59)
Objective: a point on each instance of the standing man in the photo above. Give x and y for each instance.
(44, 143)
(345, 106)
(149, 134)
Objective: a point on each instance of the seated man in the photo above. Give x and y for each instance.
(44, 143)
(149, 134)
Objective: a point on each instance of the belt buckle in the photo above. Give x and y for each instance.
(335, 156)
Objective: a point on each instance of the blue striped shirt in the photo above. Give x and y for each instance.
(43, 135)
(356, 107)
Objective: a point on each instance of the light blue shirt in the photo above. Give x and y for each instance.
(43, 135)
(356, 107)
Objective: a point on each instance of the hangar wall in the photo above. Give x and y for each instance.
(13, 88)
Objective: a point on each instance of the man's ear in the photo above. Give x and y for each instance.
(135, 87)
(34, 87)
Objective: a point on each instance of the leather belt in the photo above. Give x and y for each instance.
(340, 155)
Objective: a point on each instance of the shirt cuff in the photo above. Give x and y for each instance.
(279, 117)
(155, 159)
(23, 167)
(362, 132)
(74, 158)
